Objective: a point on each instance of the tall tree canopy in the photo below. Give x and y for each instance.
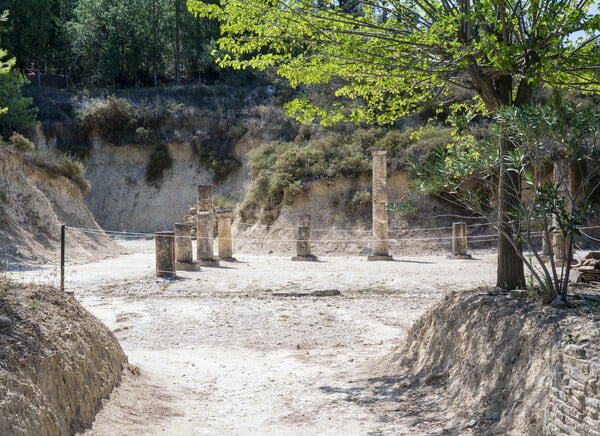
(138, 41)
(394, 56)
(388, 58)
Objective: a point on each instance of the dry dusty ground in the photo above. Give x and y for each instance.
(218, 354)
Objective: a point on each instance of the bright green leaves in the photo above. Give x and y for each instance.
(394, 57)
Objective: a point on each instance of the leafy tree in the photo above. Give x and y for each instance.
(109, 38)
(396, 56)
(36, 34)
(556, 153)
(139, 42)
(20, 114)
(28, 31)
(16, 111)
(5, 64)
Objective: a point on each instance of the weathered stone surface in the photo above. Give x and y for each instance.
(165, 254)
(459, 239)
(204, 237)
(380, 200)
(183, 243)
(193, 265)
(204, 200)
(225, 241)
(574, 401)
(303, 249)
(5, 322)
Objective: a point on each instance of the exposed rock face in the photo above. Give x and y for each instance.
(57, 362)
(33, 205)
(130, 203)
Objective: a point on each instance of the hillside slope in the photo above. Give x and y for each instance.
(34, 202)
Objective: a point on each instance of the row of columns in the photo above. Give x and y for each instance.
(180, 239)
(174, 248)
(182, 248)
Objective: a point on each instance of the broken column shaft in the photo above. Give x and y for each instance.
(204, 239)
(303, 240)
(460, 241)
(204, 200)
(380, 212)
(165, 254)
(204, 226)
(225, 242)
(184, 258)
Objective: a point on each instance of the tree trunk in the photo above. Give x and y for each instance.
(510, 273)
(177, 44)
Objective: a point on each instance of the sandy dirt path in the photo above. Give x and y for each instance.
(214, 352)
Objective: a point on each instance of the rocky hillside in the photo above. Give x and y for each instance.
(35, 199)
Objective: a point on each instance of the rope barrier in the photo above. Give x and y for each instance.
(588, 236)
(423, 229)
(120, 233)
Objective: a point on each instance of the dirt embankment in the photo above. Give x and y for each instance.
(33, 205)
(57, 362)
(489, 356)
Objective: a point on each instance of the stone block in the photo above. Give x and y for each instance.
(193, 265)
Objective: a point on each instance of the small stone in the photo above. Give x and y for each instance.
(5, 322)
(365, 251)
(472, 423)
(517, 293)
(432, 378)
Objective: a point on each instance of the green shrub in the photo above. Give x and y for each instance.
(280, 171)
(221, 202)
(360, 200)
(21, 143)
(292, 191)
(144, 135)
(159, 161)
(73, 170)
(109, 118)
(63, 166)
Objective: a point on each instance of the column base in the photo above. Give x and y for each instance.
(460, 256)
(166, 274)
(228, 259)
(373, 257)
(309, 258)
(187, 266)
(208, 262)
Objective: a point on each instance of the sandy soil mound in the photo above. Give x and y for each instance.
(57, 362)
(33, 205)
(487, 354)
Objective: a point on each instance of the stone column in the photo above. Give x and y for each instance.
(204, 239)
(184, 258)
(204, 226)
(204, 200)
(225, 245)
(303, 240)
(380, 212)
(165, 254)
(459, 241)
